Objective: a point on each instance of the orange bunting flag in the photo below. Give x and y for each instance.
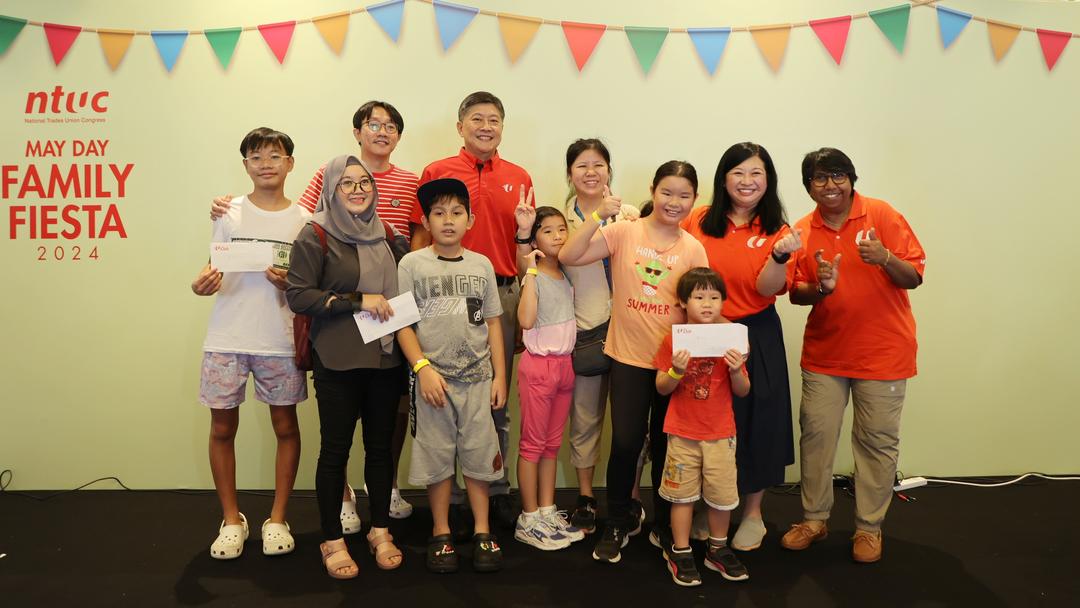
(333, 29)
(582, 38)
(772, 42)
(517, 33)
(115, 44)
(1002, 36)
(833, 35)
(1052, 43)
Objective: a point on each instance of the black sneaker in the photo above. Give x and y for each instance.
(611, 541)
(502, 511)
(637, 515)
(682, 567)
(723, 560)
(584, 516)
(459, 527)
(660, 537)
(441, 556)
(487, 554)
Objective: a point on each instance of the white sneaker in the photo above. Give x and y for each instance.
(277, 539)
(399, 507)
(350, 520)
(536, 532)
(230, 541)
(559, 521)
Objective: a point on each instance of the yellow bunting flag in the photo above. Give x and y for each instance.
(1002, 36)
(772, 41)
(517, 33)
(333, 29)
(115, 43)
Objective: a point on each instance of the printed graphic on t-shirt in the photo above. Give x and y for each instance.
(652, 269)
(698, 377)
(451, 294)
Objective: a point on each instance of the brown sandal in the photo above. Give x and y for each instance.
(335, 556)
(382, 547)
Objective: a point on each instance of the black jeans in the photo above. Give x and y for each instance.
(636, 408)
(343, 396)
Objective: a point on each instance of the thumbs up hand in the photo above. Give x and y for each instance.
(611, 206)
(827, 272)
(872, 251)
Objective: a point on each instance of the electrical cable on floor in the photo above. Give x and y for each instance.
(6, 476)
(1001, 483)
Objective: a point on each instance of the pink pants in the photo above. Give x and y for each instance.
(545, 390)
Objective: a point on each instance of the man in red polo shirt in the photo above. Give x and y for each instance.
(859, 339)
(495, 188)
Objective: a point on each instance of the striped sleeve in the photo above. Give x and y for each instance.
(310, 198)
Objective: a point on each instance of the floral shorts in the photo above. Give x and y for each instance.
(223, 383)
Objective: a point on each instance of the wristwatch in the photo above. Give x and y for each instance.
(822, 291)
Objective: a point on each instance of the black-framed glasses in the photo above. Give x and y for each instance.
(838, 177)
(374, 126)
(348, 186)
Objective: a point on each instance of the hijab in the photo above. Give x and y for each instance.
(363, 229)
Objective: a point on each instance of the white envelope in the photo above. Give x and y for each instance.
(405, 314)
(709, 339)
(242, 256)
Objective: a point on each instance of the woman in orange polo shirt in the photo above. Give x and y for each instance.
(738, 231)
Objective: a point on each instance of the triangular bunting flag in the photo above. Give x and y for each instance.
(517, 33)
(1053, 43)
(9, 29)
(115, 44)
(951, 22)
(388, 15)
(893, 22)
(223, 41)
(710, 43)
(646, 42)
(582, 39)
(333, 29)
(60, 38)
(168, 45)
(1002, 36)
(277, 37)
(452, 20)
(833, 34)
(772, 41)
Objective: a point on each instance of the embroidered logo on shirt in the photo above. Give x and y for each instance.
(508, 187)
(755, 242)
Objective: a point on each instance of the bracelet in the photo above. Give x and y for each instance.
(596, 216)
(532, 271)
(888, 256)
(421, 364)
(780, 259)
(674, 374)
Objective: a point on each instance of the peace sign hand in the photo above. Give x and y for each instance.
(525, 212)
(872, 251)
(827, 272)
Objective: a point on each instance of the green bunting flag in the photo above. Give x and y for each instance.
(893, 22)
(9, 29)
(223, 41)
(647, 42)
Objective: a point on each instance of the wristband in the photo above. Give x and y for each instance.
(532, 271)
(780, 259)
(596, 216)
(674, 374)
(421, 364)
(522, 241)
(888, 256)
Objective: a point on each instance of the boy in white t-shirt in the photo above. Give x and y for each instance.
(250, 331)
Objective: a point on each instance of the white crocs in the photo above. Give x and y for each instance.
(399, 507)
(230, 540)
(277, 540)
(350, 520)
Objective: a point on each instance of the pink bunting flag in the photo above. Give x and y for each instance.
(1052, 43)
(60, 38)
(833, 34)
(277, 37)
(582, 38)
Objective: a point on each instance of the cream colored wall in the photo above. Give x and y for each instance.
(102, 358)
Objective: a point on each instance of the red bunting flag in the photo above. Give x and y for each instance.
(60, 38)
(582, 38)
(833, 34)
(1052, 43)
(277, 37)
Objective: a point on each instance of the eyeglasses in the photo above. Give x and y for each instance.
(273, 160)
(348, 186)
(838, 177)
(375, 125)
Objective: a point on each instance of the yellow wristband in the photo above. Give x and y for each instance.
(421, 364)
(674, 374)
(532, 271)
(596, 216)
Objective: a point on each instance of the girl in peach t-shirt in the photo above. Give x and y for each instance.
(647, 258)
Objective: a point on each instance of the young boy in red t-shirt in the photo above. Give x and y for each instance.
(700, 426)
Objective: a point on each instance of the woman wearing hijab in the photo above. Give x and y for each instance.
(341, 263)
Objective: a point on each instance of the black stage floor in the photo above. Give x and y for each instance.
(1010, 546)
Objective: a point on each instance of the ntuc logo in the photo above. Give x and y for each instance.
(60, 101)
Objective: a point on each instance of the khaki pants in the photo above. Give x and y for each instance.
(587, 419)
(875, 443)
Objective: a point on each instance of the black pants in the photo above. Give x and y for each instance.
(343, 396)
(636, 408)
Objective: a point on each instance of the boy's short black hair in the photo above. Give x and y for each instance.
(259, 138)
(438, 189)
(700, 277)
(364, 112)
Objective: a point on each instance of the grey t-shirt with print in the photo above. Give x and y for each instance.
(455, 296)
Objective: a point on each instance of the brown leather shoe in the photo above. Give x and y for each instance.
(866, 546)
(803, 534)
